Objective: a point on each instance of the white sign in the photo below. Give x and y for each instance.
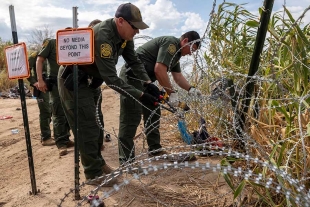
(17, 61)
(75, 46)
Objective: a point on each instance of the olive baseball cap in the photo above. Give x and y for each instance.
(132, 14)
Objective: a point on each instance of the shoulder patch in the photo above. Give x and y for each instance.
(172, 49)
(106, 50)
(34, 54)
(45, 42)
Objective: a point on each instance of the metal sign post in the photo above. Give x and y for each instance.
(75, 87)
(23, 104)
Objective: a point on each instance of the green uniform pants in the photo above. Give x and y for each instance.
(88, 130)
(45, 115)
(60, 124)
(130, 117)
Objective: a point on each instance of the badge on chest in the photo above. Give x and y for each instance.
(106, 50)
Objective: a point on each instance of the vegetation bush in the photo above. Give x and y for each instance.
(278, 119)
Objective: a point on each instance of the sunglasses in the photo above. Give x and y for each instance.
(132, 26)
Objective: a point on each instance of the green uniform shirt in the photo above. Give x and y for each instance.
(160, 50)
(108, 47)
(32, 66)
(48, 51)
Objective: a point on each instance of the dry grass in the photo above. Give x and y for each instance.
(5, 83)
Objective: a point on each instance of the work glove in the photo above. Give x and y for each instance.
(174, 99)
(147, 100)
(194, 92)
(150, 88)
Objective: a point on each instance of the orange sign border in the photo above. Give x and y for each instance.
(27, 63)
(91, 46)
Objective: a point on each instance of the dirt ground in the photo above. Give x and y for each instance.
(55, 175)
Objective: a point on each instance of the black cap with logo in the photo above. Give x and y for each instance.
(132, 14)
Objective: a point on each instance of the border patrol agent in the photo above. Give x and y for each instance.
(42, 100)
(113, 37)
(158, 55)
(60, 124)
(89, 95)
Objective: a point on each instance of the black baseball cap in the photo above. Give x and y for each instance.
(132, 14)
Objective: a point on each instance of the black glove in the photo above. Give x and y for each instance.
(148, 99)
(152, 89)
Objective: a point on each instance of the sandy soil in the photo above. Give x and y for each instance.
(55, 175)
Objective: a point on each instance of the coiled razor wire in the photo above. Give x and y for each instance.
(222, 122)
(207, 150)
(300, 195)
